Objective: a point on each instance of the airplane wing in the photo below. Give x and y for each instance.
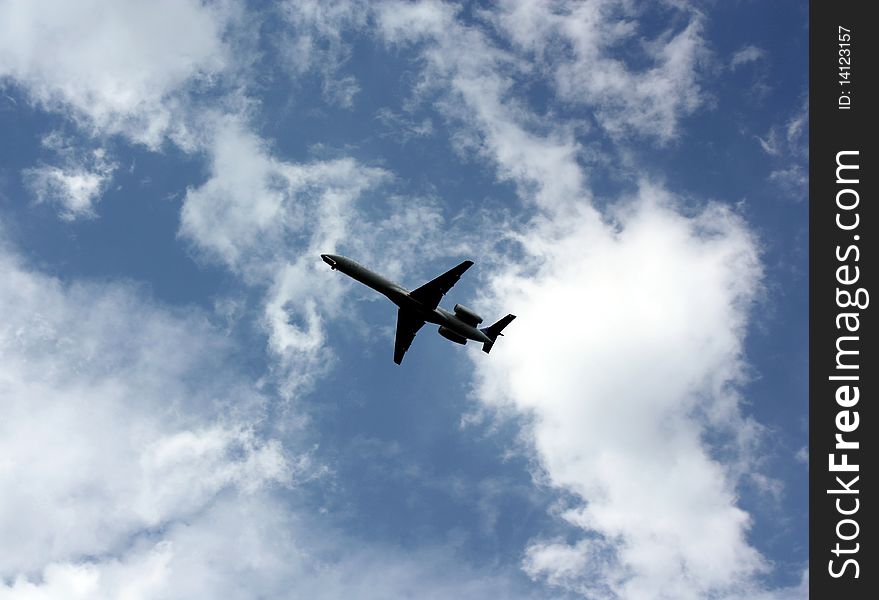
(432, 292)
(407, 326)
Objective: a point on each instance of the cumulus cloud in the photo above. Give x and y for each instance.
(630, 394)
(118, 67)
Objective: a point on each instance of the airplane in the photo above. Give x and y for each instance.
(421, 306)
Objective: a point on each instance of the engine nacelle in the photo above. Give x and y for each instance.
(451, 335)
(467, 315)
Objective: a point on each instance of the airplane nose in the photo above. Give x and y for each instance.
(328, 258)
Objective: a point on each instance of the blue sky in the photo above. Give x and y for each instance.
(195, 406)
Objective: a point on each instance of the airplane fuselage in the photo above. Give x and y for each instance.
(402, 298)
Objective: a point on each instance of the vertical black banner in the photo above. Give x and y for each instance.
(842, 256)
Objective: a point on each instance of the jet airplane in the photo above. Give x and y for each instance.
(421, 306)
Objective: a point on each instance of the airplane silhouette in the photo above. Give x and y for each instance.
(421, 306)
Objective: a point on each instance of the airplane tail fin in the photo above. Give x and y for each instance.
(494, 331)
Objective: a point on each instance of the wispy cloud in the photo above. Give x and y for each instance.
(598, 57)
(269, 220)
(474, 78)
(745, 55)
(75, 186)
(312, 41)
(75, 190)
(787, 145)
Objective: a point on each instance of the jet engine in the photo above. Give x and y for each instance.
(467, 315)
(451, 335)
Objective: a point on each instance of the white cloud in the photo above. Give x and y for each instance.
(632, 381)
(74, 190)
(770, 143)
(253, 547)
(77, 185)
(790, 138)
(115, 420)
(627, 391)
(269, 221)
(415, 20)
(746, 55)
(633, 391)
(130, 466)
(793, 180)
(473, 77)
(796, 130)
(583, 46)
(119, 67)
(788, 146)
(129, 68)
(314, 41)
(252, 203)
(403, 128)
